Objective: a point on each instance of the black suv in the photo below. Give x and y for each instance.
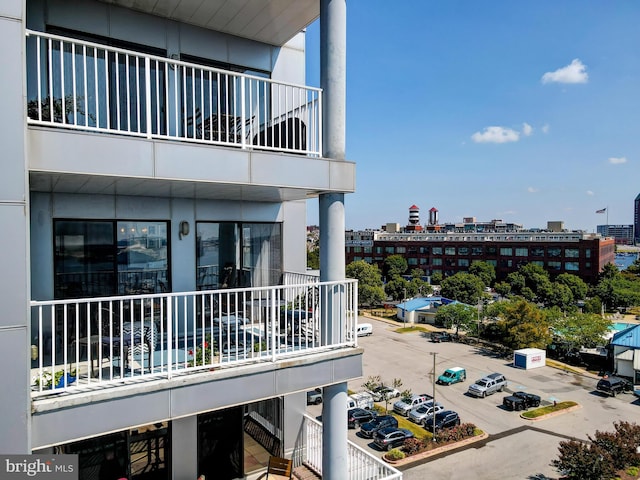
(358, 416)
(369, 429)
(437, 337)
(390, 437)
(521, 401)
(445, 419)
(614, 385)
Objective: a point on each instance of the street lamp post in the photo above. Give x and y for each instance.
(404, 308)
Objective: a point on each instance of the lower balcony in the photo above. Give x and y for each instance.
(92, 344)
(362, 465)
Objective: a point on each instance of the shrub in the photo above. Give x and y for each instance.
(395, 454)
(457, 433)
(633, 471)
(412, 446)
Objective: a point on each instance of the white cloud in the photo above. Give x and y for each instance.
(496, 135)
(527, 129)
(575, 72)
(617, 160)
(532, 189)
(545, 128)
(590, 193)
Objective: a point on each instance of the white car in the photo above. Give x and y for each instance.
(383, 392)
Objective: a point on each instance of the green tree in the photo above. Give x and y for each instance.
(609, 271)
(313, 259)
(370, 290)
(577, 286)
(502, 288)
(417, 273)
(516, 281)
(436, 277)
(593, 305)
(559, 296)
(464, 287)
(394, 265)
(419, 286)
(398, 288)
(485, 271)
(458, 315)
(581, 329)
(523, 325)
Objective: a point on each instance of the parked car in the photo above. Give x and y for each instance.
(425, 411)
(443, 419)
(614, 385)
(369, 429)
(364, 329)
(437, 337)
(405, 405)
(358, 416)
(391, 437)
(314, 397)
(452, 375)
(360, 400)
(521, 401)
(492, 383)
(382, 392)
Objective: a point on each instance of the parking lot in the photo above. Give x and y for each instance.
(516, 448)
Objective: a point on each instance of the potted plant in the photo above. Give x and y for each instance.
(57, 380)
(203, 354)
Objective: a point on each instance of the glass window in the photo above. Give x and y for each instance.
(571, 266)
(401, 250)
(357, 249)
(463, 262)
(450, 262)
(389, 250)
(537, 252)
(436, 261)
(450, 250)
(554, 265)
(412, 261)
(463, 250)
(378, 249)
(368, 250)
(423, 261)
(436, 250)
(587, 252)
(492, 262)
(492, 250)
(522, 252)
(476, 251)
(553, 251)
(424, 250)
(102, 258)
(571, 252)
(506, 251)
(230, 254)
(540, 263)
(506, 263)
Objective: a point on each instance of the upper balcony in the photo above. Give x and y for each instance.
(173, 128)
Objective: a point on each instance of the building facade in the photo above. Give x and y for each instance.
(157, 159)
(636, 219)
(558, 252)
(622, 234)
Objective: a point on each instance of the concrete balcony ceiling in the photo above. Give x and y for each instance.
(272, 22)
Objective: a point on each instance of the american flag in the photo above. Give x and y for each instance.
(602, 211)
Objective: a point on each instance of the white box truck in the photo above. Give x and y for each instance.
(360, 400)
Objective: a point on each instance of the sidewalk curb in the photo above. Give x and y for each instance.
(436, 451)
(552, 414)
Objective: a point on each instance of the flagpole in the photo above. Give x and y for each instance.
(607, 217)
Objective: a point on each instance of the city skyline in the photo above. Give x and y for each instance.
(512, 111)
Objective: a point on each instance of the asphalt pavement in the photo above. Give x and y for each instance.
(516, 448)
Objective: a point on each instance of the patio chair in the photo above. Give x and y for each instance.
(137, 340)
(279, 468)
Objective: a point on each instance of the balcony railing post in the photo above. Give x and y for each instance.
(243, 110)
(275, 323)
(169, 337)
(147, 91)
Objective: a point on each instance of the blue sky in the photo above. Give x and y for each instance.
(525, 111)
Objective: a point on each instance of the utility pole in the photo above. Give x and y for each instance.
(404, 308)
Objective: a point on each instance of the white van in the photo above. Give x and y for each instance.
(360, 400)
(364, 329)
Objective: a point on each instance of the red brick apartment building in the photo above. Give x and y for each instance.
(579, 253)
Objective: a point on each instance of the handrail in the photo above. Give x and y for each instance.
(118, 339)
(88, 86)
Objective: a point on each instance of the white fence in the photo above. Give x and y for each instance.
(89, 86)
(83, 342)
(362, 464)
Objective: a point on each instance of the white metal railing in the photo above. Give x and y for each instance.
(82, 343)
(89, 86)
(362, 464)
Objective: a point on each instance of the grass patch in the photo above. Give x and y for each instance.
(538, 412)
(417, 430)
(413, 328)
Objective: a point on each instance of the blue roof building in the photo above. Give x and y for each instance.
(626, 352)
(421, 309)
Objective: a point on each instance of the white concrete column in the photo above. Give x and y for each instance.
(15, 416)
(184, 448)
(333, 35)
